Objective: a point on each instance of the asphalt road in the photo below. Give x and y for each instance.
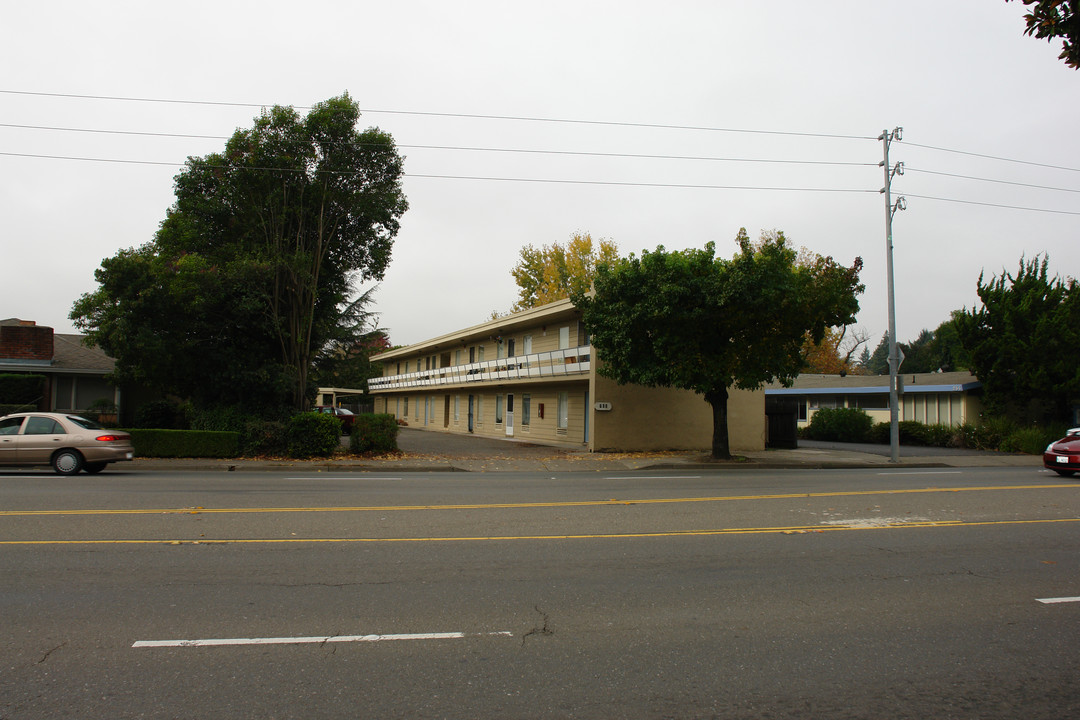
(796, 594)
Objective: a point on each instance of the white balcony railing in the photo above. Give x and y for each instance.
(571, 361)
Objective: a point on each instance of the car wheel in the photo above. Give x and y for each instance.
(1064, 473)
(94, 468)
(67, 462)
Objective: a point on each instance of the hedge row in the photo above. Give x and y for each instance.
(184, 443)
(854, 425)
(305, 435)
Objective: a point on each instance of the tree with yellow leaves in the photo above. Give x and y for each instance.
(554, 272)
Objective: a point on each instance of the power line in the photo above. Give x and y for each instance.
(908, 168)
(471, 116)
(570, 153)
(451, 177)
(988, 204)
(993, 157)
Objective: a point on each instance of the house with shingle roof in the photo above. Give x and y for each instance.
(75, 374)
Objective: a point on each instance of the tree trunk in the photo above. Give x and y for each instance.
(718, 399)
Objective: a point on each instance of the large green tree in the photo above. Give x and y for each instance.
(687, 319)
(1023, 342)
(272, 235)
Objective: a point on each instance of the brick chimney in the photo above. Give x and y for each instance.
(26, 341)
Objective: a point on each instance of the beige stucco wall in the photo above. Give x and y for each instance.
(443, 403)
(644, 418)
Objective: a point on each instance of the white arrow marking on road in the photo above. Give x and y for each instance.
(1050, 601)
(217, 642)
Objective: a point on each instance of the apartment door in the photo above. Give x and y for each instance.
(470, 413)
(510, 416)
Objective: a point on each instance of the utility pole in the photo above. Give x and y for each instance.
(894, 358)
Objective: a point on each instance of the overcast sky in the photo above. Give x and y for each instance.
(766, 114)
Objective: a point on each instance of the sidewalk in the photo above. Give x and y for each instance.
(509, 456)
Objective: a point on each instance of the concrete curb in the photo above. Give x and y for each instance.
(587, 462)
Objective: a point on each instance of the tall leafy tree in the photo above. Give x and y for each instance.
(1023, 342)
(687, 319)
(557, 271)
(287, 219)
(1050, 19)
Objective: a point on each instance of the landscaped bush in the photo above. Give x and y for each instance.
(264, 437)
(313, 434)
(1031, 440)
(840, 425)
(374, 434)
(184, 443)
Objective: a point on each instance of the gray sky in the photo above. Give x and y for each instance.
(958, 76)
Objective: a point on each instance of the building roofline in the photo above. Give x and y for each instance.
(498, 326)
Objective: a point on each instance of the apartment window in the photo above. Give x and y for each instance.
(472, 354)
(406, 413)
(406, 367)
(564, 338)
(457, 357)
(479, 409)
(563, 410)
(526, 409)
(457, 406)
(480, 354)
(526, 345)
(500, 349)
(498, 409)
(510, 347)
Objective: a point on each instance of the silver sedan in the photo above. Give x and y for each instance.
(68, 443)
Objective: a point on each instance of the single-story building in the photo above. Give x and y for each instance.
(952, 398)
(533, 375)
(74, 373)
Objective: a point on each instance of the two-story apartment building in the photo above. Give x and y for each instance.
(533, 375)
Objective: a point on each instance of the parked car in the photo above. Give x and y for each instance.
(68, 443)
(1063, 456)
(346, 417)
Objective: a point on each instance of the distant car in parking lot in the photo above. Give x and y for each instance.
(68, 443)
(1063, 456)
(346, 417)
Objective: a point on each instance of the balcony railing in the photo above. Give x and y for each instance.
(571, 361)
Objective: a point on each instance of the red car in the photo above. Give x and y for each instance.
(1063, 456)
(346, 417)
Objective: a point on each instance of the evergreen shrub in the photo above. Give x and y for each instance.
(840, 425)
(313, 434)
(374, 434)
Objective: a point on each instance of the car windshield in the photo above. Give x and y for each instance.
(83, 422)
(343, 411)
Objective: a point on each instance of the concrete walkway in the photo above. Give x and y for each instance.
(428, 451)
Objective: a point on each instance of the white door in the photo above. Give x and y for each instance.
(510, 415)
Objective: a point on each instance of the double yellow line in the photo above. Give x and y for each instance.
(793, 530)
(527, 505)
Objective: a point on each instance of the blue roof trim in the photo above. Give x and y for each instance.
(873, 389)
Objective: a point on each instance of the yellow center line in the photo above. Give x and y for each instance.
(791, 530)
(527, 505)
